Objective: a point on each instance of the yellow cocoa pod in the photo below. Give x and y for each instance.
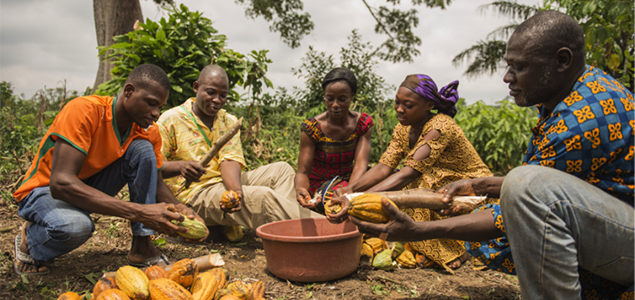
(222, 293)
(367, 254)
(234, 233)
(133, 282)
(407, 260)
(367, 207)
(331, 210)
(229, 199)
(69, 296)
(239, 289)
(196, 229)
(377, 244)
(166, 289)
(183, 272)
(205, 286)
(257, 291)
(230, 297)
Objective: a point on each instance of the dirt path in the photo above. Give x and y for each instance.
(107, 249)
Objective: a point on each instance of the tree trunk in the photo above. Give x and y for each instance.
(112, 18)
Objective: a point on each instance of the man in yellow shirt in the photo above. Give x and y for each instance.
(188, 132)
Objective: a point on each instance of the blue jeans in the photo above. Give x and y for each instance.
(556, 223)
(59, 227)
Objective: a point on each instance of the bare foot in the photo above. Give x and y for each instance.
(24, 248)
(455, 264)
(142, 249)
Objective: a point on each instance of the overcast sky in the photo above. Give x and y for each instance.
(44, 42)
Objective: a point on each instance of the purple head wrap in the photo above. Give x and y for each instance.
(444, 100)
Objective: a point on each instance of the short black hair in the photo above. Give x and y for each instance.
(555, 30)
(146, 73)
(341, 74)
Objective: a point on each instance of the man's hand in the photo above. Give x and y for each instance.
(159, 217)
(237, 208)
(189, 213)
(463, 187)
(343, 214)
(304, 197)
(400, 228)
(191, 170)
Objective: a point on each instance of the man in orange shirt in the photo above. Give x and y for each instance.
(95, 146)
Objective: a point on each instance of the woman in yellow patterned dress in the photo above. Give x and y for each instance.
(434, 152)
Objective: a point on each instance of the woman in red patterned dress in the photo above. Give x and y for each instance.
(335, 142)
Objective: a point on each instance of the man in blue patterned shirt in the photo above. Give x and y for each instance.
(567, 213)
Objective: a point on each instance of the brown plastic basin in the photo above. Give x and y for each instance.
(310, 250)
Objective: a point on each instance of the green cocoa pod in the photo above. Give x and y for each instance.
(383, 260)
(397, 249)
(197, 230)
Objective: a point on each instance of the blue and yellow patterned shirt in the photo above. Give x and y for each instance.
(590, 134)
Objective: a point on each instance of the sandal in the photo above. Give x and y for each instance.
(25, 259)
(150, 261)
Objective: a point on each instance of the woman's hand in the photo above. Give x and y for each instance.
(343, 214)
(400, 228)
(304, 198)
(343, 190)
(238, 207)
(463, 187)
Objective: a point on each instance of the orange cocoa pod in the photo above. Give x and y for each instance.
(69, 296)
(231, 297)
(183, 272)
(112, 294)
(133, 282)
(156, 272)
(220, 275)
(166, 289)
(103, 284)
(229, 199)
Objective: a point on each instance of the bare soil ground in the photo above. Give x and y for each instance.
(107, 250)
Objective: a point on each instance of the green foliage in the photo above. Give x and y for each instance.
(499, 134)
(608, 28)
(287, 17)
(182, 46)
(24, 122)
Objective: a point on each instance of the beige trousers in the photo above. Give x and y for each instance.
(268, 195)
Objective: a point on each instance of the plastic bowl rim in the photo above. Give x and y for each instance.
(302, 239)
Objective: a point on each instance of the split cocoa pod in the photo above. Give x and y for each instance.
(331, 210)
(196, 229)
(183, 272)
(367, 207)
(230, 199)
